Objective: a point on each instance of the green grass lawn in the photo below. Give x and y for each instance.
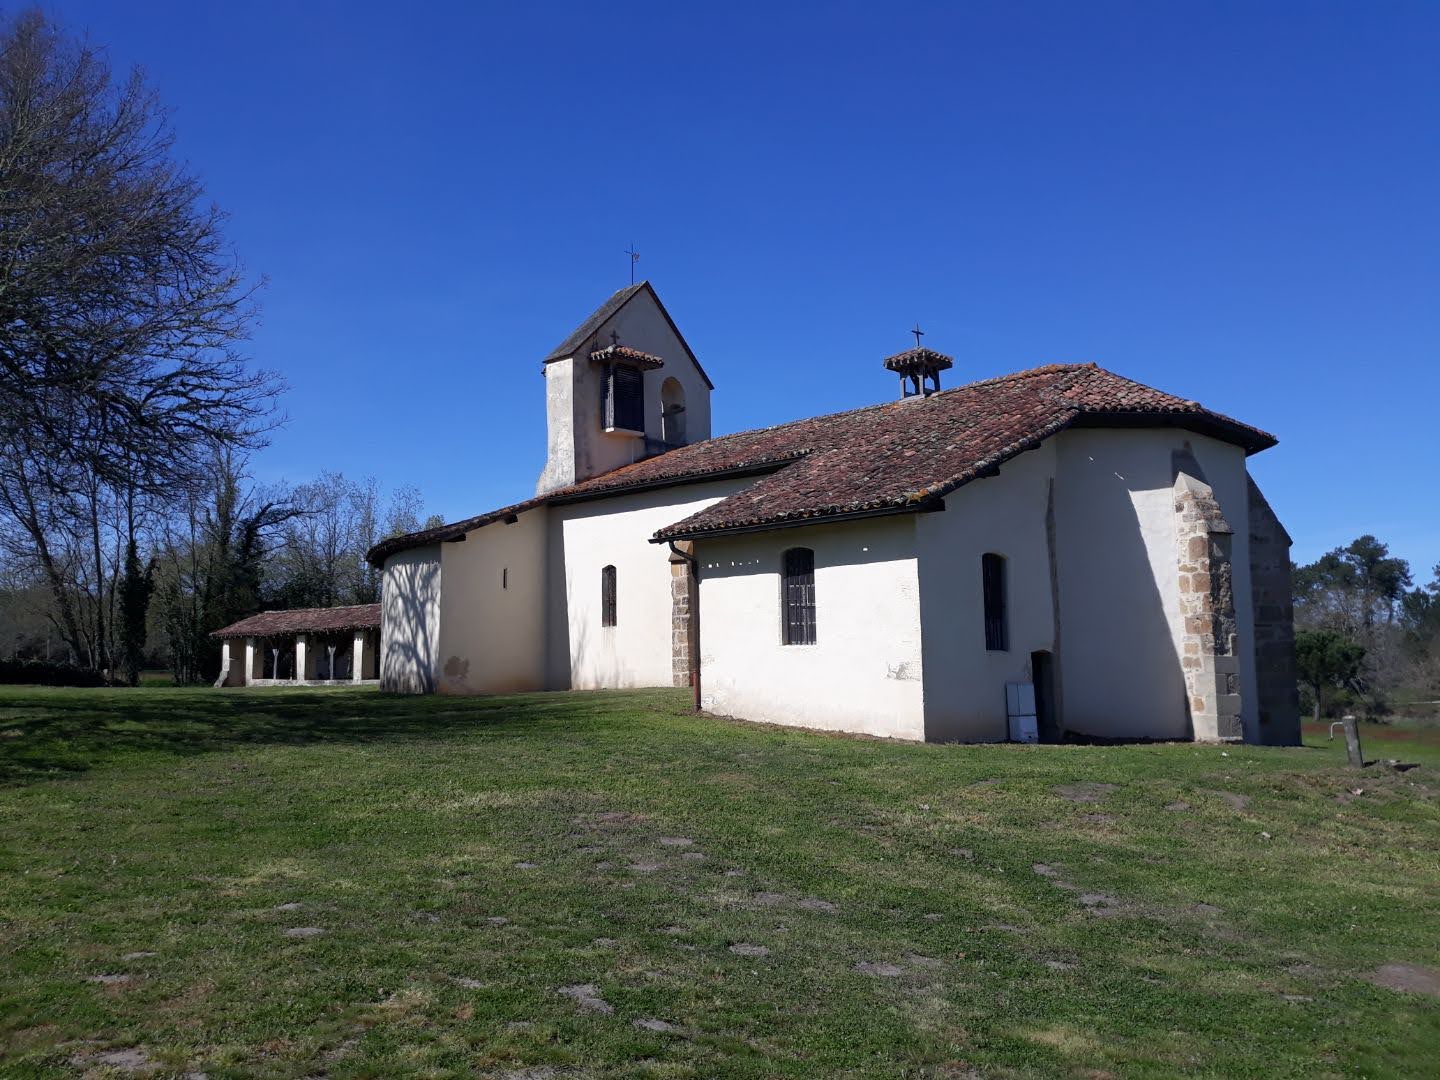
(575, 885)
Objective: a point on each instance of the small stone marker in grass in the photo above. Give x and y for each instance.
(587, 996)
(304, 931)
(651, 1024)
(744, 949)
(811, 903)
(884, 971)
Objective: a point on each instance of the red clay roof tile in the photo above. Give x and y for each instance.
(304, 621)
(902, 455)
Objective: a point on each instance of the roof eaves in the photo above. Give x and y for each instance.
(592, 323)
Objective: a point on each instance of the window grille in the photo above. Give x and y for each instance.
(997, 630)
(798, 596)
(607, 596)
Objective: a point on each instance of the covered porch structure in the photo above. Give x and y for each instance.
(302, 647)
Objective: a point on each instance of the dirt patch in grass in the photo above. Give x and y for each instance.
(1408, 977)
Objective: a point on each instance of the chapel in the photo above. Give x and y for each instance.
(1058, 553)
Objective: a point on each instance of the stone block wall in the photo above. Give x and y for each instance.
(682, 600)
(1209, 645)
(1278, 708)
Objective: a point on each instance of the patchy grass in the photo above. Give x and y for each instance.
(341, 883)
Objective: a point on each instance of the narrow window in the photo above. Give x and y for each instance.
(797, 591)
(997, 629)
(607, 596)
(505, 577)
(623, 402)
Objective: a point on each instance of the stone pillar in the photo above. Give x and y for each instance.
(681, 598)
(1209, 647)
(253, 659)
(357, 657)
(304, 661)
(1278, 708)
(224, 678)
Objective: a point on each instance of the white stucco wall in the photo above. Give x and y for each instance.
(616, 531)
(492, 617)
(965, 683)
(410, 621)
(863, 674)
(1118, 583)
(577, 447)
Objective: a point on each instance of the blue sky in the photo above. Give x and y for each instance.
(1235, 202)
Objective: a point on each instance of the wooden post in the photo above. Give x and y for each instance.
(1352, 743)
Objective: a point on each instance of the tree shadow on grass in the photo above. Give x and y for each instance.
(50, 733)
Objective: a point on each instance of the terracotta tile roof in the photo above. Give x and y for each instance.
(586, 331)
(623, 354)
(304, 621)
(596, 319)
(919, 359)
(902, 455)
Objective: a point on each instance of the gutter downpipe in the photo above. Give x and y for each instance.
(694, 629)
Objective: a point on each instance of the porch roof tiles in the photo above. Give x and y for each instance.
(304, 621)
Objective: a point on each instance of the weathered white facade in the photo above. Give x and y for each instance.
(1126, 601)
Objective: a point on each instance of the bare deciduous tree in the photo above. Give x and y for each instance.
(121, 311)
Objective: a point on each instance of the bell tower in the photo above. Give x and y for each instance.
(623, 386)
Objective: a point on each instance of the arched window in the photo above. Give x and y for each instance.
(992, 577)
(607, 596)
(672, 413)
(797, 596)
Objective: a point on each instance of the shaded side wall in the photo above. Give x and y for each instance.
(492, 621)
(1006, 514)
(410, 621)
(1120, 624)
(1278, 702)
(584, 537)
(863, 674)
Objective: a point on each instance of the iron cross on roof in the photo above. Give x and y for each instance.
(918, 334)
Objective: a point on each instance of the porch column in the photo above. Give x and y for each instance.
(252, 658)
(303, 660)
(357, 657)
(225, 661)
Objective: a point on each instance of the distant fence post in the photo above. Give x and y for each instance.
(1352, 743)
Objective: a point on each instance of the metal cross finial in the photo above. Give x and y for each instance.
(614, 337)
(634, 258)
(918, 334)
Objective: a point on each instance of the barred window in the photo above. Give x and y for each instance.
(623, 402)
(992, 576)
(797, 591)
(607, 596)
